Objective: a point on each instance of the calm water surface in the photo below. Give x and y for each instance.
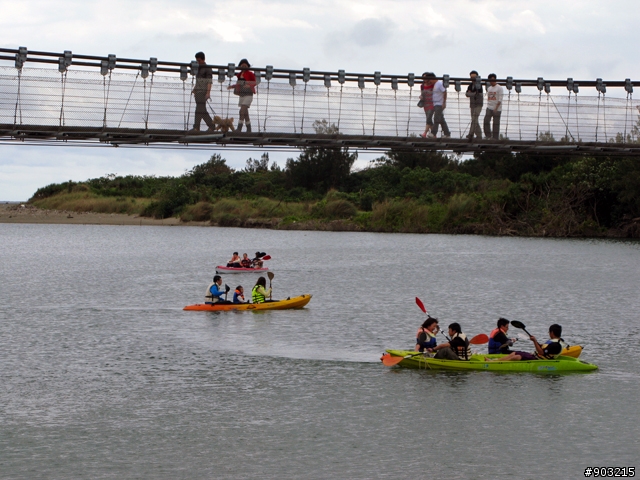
(102, 375)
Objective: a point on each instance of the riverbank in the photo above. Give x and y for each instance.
(25, 213)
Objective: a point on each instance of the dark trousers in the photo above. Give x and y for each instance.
(496, 124)
(438, 119)
(201, 112)
(475, 123)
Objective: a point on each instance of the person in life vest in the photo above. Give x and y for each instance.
(246, 261)
(238, 295)
(235, 261)
(498, 340)
(548, 351)
(214, 291)
(260, 291)
(457, 348)
(256, 262)
(426, 336)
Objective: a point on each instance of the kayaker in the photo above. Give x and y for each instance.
(238, 295)
(256, 262)
(457, 348)
(548, 351)
(214, 291)
(426, 336)
(246, 261)
(260, 291)
(498, 340)
(235, 261)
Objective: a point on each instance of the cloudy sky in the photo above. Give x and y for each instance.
(554, 39)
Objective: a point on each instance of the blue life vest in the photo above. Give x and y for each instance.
(494, 347)
(430, 340)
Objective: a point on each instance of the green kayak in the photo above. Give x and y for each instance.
(413, 359)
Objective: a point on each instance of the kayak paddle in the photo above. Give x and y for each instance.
(270, 275)
(479, 339)
(226, 291)
(421, 305)
(520, 325)
(266, 257)
(389, 360)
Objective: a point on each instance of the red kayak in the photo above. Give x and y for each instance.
(221, 269)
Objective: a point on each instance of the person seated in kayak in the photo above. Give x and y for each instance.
(260, 291)
(214, 291)
(256, 262)
(426, 336)
(457, 348)
(548, 351)
(238, 295)
(498, 340)
(246, 261)
(235, 261)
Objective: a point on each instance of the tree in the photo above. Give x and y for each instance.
(320, 169)
(261, 165)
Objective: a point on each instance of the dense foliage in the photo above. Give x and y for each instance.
(514, 194)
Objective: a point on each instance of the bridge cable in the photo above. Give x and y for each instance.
(566, 124)
(395, 108)
(257, 86)
(577, 118)
(148, 106)
(409, 119)
(266, 108)
(340, 107)
(604, 116)
(598, 113)
(126, 104)
(362, 108)
(375, 112)
(18, 102)
(304, 104)
(519, 116)
(328, 106)
(106, 89)
(506, 131)
(626, 115)
(459, 117)
(293, 107)
(538, 121)
(566, 134)
(549, 115)
(64, 87)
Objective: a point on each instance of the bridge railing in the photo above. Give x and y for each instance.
(100, 93)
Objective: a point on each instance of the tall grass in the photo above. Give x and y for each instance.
(86, 201)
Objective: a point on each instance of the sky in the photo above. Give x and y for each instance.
(524, 39)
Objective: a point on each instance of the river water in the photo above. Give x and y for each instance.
(103, 375)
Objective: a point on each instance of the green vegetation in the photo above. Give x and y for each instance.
(494, 194)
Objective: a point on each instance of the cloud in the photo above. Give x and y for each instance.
(371, 32)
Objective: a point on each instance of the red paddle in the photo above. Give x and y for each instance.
(266, 257)
(421, 305)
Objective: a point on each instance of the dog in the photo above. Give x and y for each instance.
(222, 124)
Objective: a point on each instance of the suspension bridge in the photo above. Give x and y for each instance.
(57, 98)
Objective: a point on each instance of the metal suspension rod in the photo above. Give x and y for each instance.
(375, 111)
(519, 118)
(506, 131)
(127, 104)
(64, 87)
(538, 121)
(598, 116)
(266, 108)
(409, 118)
(340, 108)
(304, 104)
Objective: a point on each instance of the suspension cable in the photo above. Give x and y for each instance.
(293, 107)
(106, 88)
(146, 120)
(598, 116)
(409, 118)
(519, 117)
(18, 108)
(63, 79)
(362, 108)
(566, 134)
(130, 93)
(506, 131)
(459, 117)
(340, 107)
(375, 111)
(538, 121)
(395, 108)
(604, 116)
(266, 108)
(577, 118)
(304, 104)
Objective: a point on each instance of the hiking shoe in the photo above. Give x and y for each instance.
(430, 135)
(446, 136)
(194, 131)
(423, 135)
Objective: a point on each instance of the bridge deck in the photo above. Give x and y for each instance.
(165, 137)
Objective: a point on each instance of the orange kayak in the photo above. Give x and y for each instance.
(289, 303)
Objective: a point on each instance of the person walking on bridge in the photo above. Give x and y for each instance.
(245, 87)
(201, 93)
(494, 108)
(439, 105)
(475, 104)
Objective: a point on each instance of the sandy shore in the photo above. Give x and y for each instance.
(23, 213)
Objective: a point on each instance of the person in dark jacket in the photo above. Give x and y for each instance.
(201, 93)
(474, 95)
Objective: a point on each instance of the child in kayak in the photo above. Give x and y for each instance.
(548, 351)
(235, 261)
(238, 295)
(498, 341)
(455, 349)
(246, 261)
(260, 291)
(426, 336)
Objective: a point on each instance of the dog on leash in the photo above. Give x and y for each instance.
(222, 124)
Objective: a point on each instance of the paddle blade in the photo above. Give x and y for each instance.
(479, 339)
(518, 324)
(270, 275)
(226, 288)
(389, 360)
(266, 257)
(420, 305)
